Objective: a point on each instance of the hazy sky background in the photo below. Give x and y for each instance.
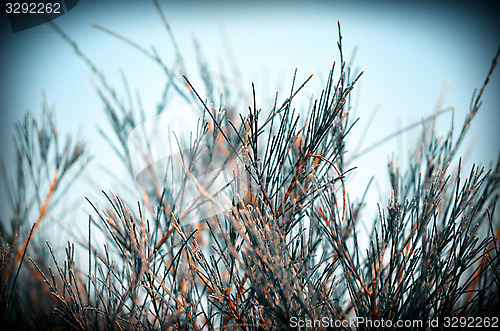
(408, 53)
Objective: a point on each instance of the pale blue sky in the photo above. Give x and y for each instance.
(408, 53)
